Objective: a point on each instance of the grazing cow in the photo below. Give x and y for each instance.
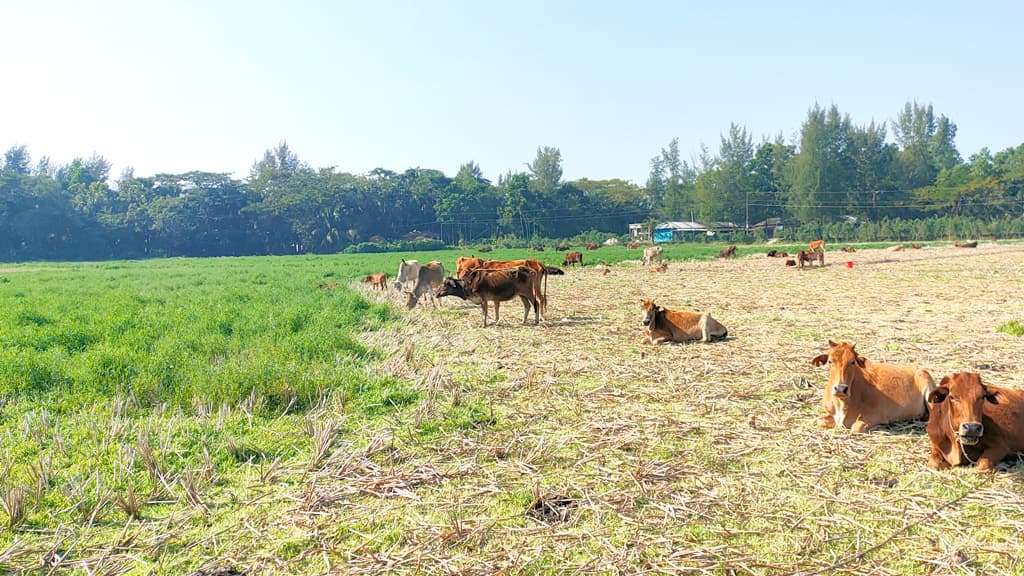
(408, 273)
(861, 394)
(816, 245)
(847, 249)
(662, 325)
(430, 277)
(809, 257)
(573, 258)
(728, 252)
(537, 248)
(496, 286)
(485, 249)
(971, 423)
(562, 247)
(790, 262)
(379, 280)
(972, 244)
(659, 267)
(592, 246)
(330, 286)
(652, 253)
(632, 245)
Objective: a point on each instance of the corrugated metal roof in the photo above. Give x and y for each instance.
(682, 226)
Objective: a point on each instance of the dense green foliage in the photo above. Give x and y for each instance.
(835, 172)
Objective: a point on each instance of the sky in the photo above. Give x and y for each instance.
(176, 86)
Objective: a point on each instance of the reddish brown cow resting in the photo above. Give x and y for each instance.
(861, 394)
(663, 325)
(592, 246)
(496, 286)
(971, 423)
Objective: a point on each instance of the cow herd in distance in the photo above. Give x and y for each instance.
(968, 422)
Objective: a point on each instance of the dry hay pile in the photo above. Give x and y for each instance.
(606, 455)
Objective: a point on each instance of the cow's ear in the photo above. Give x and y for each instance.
(938, 395)
(831, 344)
(990, 396)
(860, 360)
(819, 360)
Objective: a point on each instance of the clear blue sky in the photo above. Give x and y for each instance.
(173, 86)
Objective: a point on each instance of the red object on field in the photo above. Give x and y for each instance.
(849, 263)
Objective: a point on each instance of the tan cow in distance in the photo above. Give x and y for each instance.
(652, 253)
(663, 325)
(861, 395)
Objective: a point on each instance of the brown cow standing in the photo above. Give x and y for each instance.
(663, 325)
(971, 423)
(496, 286)
(727, 252)
(809, 257)
(573, 258)
(861, 394)
(379, 280)
(816, 246)
(464, 265)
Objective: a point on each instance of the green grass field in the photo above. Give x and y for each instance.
(186, 415)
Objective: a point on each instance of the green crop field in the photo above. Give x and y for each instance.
(230, 416)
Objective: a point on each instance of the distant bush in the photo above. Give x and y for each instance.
(396, 246)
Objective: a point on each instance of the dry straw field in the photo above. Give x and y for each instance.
(604, 455)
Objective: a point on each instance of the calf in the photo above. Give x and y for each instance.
(971, 423)
(431, 275)
(379, 280)
(861, 394)
(816, 245)
(496, 286)
(663, 325)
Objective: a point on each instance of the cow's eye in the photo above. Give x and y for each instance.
(852, 362)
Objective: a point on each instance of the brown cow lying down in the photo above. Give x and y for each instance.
(972, 244)
(861, 394)
(971, 423)
(777, 254)
(496, 286)
(663, 325)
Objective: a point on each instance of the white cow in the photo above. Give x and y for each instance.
(431, 276)
(652, 253)
(408, 273)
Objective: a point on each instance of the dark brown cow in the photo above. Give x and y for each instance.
(777, 254)
(790, 262)
(663, 325)
(727, 252)
(861, 394)
(971, 423)
(464, 265)
(496, 286)
(573, 258)
(379, 280)
(809, 257)
(537, 248)
(562, 247)
(592, 246)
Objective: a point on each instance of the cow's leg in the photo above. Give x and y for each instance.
(705, 337)
(483, 305)
(526, 308)
(937, 459)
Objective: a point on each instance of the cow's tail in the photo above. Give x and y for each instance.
(544, 302)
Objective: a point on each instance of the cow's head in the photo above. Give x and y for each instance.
(411, 299)
(966, 396)
(844, 363)
(650, 310)
(453, 287)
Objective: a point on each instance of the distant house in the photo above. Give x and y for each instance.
(769, 226)
(640, 232)
(672, 231)
(677, 231)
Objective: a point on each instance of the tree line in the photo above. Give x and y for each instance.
(835, 175)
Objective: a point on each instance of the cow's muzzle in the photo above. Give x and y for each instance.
(841, 389)
(647, 321)
(970, 433)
